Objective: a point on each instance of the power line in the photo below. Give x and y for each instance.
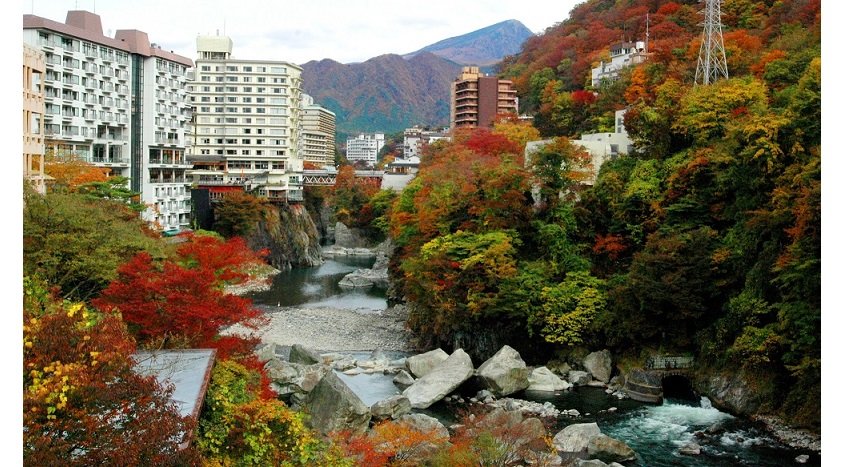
(712, 64)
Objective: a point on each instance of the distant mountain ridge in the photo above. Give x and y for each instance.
(391, 92)
(483, 47)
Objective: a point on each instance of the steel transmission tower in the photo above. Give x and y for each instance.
(712, 63)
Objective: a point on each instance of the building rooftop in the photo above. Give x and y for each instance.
(187, 370)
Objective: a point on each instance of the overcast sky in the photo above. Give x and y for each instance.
(302, 30)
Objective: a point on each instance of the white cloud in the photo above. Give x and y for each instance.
(299, 31)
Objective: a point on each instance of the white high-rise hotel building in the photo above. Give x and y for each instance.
(119, 103)
(246, 126)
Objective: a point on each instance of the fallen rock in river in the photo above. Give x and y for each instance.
(542, 379)
(690, 449)
(504, 373)
(576, 438)
(442, 380)
(392, 407)
(403, 379)
(599, 364)
(422, 364)
(333, 406)
(609, 449)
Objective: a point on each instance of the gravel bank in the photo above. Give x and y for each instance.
(332, 329)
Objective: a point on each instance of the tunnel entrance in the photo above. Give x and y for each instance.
(678, 387)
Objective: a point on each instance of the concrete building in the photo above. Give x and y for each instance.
(476, 99)
(601, 146)
(364, 147)
(246, 114)
(34, 68)
(416, 138)
(622, 55)
(120, 104)
(318, 133)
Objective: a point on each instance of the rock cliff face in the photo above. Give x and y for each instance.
(291, 236)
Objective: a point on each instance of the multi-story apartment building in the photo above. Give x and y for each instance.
(318, 133)
(622, 55)
(364, 147)
(416, 138)
(477, 99)
(120, 104)
(33, 116)
(246, 117)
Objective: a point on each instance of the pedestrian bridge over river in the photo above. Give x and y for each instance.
(327, 177)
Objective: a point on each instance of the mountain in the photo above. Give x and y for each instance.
(484, 47)
(385, 93)
(390, 92)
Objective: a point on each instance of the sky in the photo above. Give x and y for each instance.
(299, 31)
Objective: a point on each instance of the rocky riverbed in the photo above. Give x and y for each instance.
(332, 329)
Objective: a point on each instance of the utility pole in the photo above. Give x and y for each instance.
(712, 63)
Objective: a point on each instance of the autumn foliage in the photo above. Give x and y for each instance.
(182, 302)
(83, 402)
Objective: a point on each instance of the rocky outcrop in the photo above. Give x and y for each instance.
(362, 278)
(442, 380)
(586, 441)
(504, 373)
(426, 424)
(293, 381)
(422, 364)
(578, 377)
(288, 233)
(599, 364)
(303, 355)
(731, 392)
(542, 379)
(333, 406)
(349, 238)
(402, 379)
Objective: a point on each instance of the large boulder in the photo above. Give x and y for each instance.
(609, 449)
(333, 406)
(576, 438)
(349, 238)
(504, 373)
(442, 380)
(304, 355)
(542, 379)
(422, 364)
(599, 364)
(392, 407)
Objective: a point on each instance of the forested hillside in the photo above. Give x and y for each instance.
(704, 241)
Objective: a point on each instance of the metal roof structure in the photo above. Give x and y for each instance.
(187, 370)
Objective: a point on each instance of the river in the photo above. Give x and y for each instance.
(655, 432)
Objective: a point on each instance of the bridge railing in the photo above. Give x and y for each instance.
(668, 362)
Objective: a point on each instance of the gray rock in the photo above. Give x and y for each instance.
(403, 379)
(643, 386)
(426, 424)
(733, 392)
(576, 438)
(542, 379)
(609, 449)
(504, 373)
(348, 238)
(356, 279)
(443, 379)
(578, 378)
(599, 364)
(596, 384)
(802, 459)
(559, 368)
(333, 406)
(304, 355)
(266, 352)
(292, 380)
(690, 449)
(392, 407)
(422, 364)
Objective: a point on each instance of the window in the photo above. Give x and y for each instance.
(278, 69)
(205, 68)
(278, 100)
(260, 90)
(218, 88)
(231, 109)
(206, 89)
(205, 78)
(247, 69)
(260, 100)
(279, 165)
(218, 110)
(261, 79)
(232, 79)
(247, 79)
(247, 130)
(231, 120)
(261, 69)
(246, 110)
(245, 152)
(246, 141)
(259, 110)
(205, 109)
(231, 68)
(247, 100)
(218, 79)
(279, 80)
(261, 165)
(247, 89)
(259, 142)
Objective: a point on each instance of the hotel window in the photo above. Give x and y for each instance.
(231, 68)
(262, 79)
(248, 69)
(247, 89)
(247, 79)
(278, 69)
(261, 165)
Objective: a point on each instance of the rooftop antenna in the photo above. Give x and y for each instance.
(712, 63)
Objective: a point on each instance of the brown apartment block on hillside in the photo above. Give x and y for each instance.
(477, 99)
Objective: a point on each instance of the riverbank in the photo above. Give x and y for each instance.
(331, 329)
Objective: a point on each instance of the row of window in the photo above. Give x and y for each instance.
(89, 49)
(76, 96)
(258, 142)
(277, 70)
(171, 67)
(235, 89)
(244, 152)
(161, 192)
